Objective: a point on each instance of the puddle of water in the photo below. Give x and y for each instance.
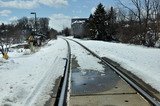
(92, 81)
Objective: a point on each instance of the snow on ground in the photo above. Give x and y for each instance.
(142, 61)
(27, 79)
(81, 55)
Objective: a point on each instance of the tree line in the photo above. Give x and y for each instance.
(137, 24)
(19, 30)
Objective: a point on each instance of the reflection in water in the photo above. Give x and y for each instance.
(92, 81)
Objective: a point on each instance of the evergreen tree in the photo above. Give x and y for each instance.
(66, 31)
(111, 19)
(99, 20)
(92, 27)
(102, 24)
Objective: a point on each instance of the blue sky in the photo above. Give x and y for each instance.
(60, 12)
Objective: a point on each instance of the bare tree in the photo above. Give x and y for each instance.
(141, 9)
(147, 8)
(138, 8)
(156, 15)
(43, 25)
(121, 15)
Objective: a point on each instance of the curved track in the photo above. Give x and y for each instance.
(92, 87)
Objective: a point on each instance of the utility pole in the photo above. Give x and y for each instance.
(35, 27)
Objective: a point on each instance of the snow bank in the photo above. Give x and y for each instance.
(142, 61)
(27, 79)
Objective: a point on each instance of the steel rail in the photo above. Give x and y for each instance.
(142, 92)
(64, 90)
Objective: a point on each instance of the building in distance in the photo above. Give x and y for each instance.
(78, 27)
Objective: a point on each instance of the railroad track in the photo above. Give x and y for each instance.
(89, 87)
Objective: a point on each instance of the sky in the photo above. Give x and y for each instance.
(60, 12)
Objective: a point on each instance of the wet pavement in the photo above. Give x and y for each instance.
(92, 81)
(101, 88)
(87, 81)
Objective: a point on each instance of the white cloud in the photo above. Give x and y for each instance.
(93, 10)
(59, 21)
(19, 4)
(53, 2)
(29, 4)
(5, 12)
(13, 18)
(5, 22)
